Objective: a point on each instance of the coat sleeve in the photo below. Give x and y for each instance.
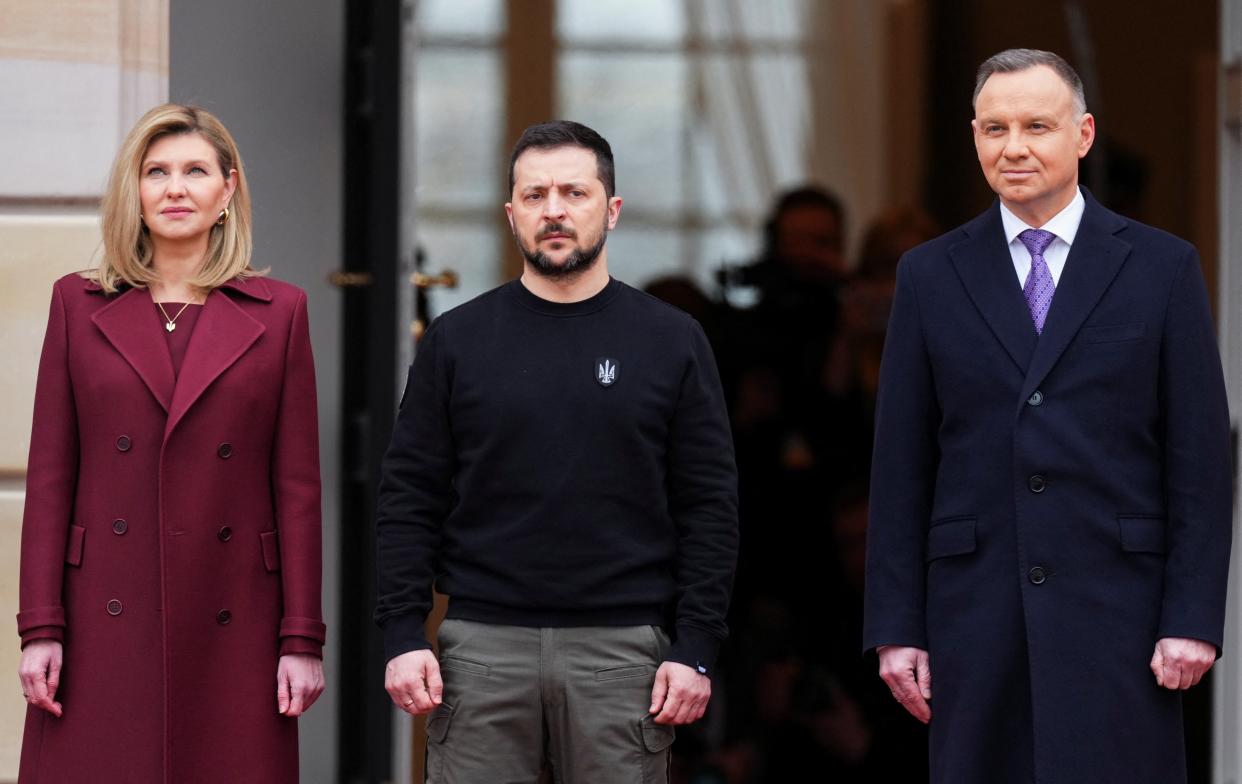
(296, 490)
(903, 475)
(702, 498)
(415, 497)
(51, 481)
(1197, 465)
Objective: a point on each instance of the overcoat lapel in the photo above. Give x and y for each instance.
(985, 266)
(1094, 261)
(223, 333)
(129, 325)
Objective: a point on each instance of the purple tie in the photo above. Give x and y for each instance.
(1039, 287)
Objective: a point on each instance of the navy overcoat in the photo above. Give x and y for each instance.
(1045, 508)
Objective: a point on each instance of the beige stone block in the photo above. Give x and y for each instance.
(132, 32)
(35, 250)
(12, 707)
(71, 30)
(144, 35)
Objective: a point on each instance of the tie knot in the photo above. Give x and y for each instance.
(1037, 240)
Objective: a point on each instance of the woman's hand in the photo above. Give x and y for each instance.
(39, 671)
(299, 682)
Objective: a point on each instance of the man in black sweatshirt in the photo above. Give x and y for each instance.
(562, 468)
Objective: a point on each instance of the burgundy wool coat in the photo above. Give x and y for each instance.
(171, 537)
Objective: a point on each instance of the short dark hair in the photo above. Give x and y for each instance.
(1012, 60)
(567, 133)
(808, 196)
(796, 199)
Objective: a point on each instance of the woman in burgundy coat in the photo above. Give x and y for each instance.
(170, 567)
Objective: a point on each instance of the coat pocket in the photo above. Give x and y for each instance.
(951, 536)
(1113, 333)
(271, 550)
(74, 545)
(1142, 534)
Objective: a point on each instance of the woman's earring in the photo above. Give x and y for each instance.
(224, 217)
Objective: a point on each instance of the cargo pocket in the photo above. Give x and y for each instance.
(951, 536)
(1142, 534)
(438, 723)
(437, 732)
(657, 738)
(271, 550)
(74, 545)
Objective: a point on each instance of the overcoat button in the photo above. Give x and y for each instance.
(225, 450)
(114, 607)
(225, 533)
(1037, 575)
(119, 526)
(123, 444)
(223, 617)
(1036, 398)
(1037, 483)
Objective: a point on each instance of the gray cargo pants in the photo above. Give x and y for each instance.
(520, 702)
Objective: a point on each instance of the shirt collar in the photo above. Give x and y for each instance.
(1064, 224)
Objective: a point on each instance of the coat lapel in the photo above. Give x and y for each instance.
(130, 326)
(1094, 261)
(223, 333)
(985, 266)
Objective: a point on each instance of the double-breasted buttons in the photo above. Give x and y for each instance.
(119, 526)
(225, 450)
(114, 607)
(1037, 575)
(225, 533)
(1037, 483)
(223, 617)
(123, 444)
(1036, 398)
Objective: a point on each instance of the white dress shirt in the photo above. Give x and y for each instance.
(1064, 224)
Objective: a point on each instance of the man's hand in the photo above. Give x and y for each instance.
(907, 671)
(680, 694)
(299, 682)
(413, 682)
(39, 671)
(1180, 663)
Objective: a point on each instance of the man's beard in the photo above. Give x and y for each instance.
(576, 263)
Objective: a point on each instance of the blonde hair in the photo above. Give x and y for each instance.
(127, 248)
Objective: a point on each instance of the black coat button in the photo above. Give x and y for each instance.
(119, 526)
(1036, 398)
(1037, 575)
(225, 533)
(123, 444)
(1037, 483)
(223, 617)
(225, 450)
(114, 607)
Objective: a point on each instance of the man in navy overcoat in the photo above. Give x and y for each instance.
(1051, 489)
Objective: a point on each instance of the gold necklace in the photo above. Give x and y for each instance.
(171, 323)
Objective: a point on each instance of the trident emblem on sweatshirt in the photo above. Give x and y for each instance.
(606, 372)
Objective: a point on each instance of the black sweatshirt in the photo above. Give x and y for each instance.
(561, 465)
